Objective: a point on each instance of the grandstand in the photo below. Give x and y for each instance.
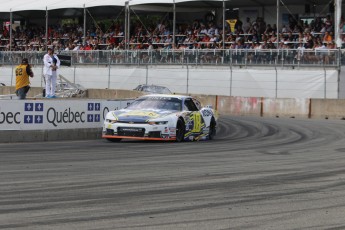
(284, 34)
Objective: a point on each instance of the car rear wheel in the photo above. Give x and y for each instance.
(212, 129)
(180, 130)
(114, 139)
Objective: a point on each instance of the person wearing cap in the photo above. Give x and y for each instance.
(51, 65)
(23, 72)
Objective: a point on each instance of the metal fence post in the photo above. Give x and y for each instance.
(187, 78)
(147, 74)
(74, 74)
(230, 79)
(98, 57)
(276, 96)
(109, 74)
(325, 83)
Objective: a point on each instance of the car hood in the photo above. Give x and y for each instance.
(125, 115)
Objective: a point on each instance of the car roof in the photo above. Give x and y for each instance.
(153, 89)
(151, 86)
(167, 96)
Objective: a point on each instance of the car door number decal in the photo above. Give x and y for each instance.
(197, 122)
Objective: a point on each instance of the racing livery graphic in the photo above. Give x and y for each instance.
(161, 117)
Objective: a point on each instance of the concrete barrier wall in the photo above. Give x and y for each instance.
(240, 106)
(7, 90)
(112, 93)
(290, 107)
(34, 91)
(327, 109)
(207, 100)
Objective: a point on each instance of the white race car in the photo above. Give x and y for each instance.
(161, 117)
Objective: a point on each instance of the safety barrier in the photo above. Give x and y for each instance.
(68, 119)
(54, 119)
(227, 57)
(282, 107)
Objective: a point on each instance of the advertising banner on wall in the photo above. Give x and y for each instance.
(55, 114)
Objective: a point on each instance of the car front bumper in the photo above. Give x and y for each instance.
(138, 131)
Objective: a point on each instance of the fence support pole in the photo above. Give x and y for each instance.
(47, 17)
(75, 67)
(278, 9)
(325, 83)
(109, 75)
(339, 70)
(11, 22)
(84, 27)
(12, 74)
(230, 79)
(276, 96)
(187, 78)
(147, 74)
(43, 79)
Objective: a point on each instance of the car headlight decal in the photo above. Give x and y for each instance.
(112, 121)
(157, 122)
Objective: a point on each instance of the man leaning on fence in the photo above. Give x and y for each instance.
(23, 72)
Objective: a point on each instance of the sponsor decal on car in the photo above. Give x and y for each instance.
(139, 113)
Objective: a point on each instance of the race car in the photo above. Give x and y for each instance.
(161, 117)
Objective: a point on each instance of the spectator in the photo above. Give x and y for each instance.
(23, 72)
(247, 25)
(51, 65)
(203, 30)
(284, 29)
(327, 38)
(67, 37)
(300, 52)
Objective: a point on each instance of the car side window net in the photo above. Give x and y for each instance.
(190, 105)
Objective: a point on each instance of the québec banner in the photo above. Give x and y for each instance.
(55, 114)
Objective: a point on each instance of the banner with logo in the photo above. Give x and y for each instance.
(55, 114)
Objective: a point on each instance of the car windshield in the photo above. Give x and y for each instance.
(165, 103)
(153, 89)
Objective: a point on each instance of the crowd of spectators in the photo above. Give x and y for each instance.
(198, 34)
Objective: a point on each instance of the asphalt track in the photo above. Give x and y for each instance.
(259, 173)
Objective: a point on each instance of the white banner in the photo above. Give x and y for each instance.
(55, 114)
(203, 80)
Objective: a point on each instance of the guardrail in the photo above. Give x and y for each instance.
(236, 57)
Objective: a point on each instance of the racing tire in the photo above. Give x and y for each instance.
(180, 130)
(212, 130)
(114, 139)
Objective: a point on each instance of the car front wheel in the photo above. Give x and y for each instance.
(180, 130)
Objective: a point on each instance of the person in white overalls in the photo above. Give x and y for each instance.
(51, 65)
